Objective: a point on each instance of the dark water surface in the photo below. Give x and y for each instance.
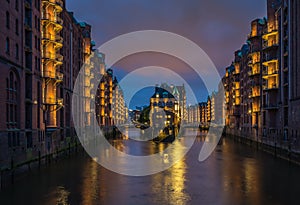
(234, 174)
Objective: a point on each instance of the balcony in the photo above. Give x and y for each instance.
(253, 62)
(87, 84)
(87, 71)
(268, 45)
(269, 88)
(270, 60)
(58, 76)
(53, 19)
(253, 73)
(53, 101)
(270, 73)
(254, 95)
(56, 39)
(48, 56)
(58, 4)
(48, 74)
(270, 33)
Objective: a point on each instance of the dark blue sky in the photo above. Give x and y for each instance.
(219, 27)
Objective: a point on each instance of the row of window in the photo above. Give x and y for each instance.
(7, 47)
(36, 4)
(16, 4)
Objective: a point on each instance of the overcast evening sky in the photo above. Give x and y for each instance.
(219, 27)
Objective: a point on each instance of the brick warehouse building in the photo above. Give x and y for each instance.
(42, 50)
(21, 127)
(269, 78)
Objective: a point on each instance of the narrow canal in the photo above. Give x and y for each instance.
(234, 174)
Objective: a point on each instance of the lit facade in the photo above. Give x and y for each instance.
(164, 108)
(119, 108)
(270, 71)
(42, 50)
(52, 60)
(269, 81)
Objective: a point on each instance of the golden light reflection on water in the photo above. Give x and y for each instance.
(90, 185)
(62, 196)
(171, 185)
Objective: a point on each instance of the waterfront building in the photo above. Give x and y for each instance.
(119, 108)
(77, 51)
(270, 71)
(104, 95)
(164, 109)
(52, 60)
(193, 112)
(179, 93)
(255, 56)
(269, 82)
(213, 98)
(21, 124)
(289, 20)
(203, 113)
(232, 96)
(42, 49)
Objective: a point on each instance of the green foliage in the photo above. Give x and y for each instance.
(144, 117)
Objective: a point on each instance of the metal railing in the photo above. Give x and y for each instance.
(57, 2)
(48, 55)
(52, 18)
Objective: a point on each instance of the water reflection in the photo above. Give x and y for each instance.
(234, 174)
(62, 196)
(90, 187)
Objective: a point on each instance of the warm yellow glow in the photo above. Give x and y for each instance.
(255, 57)
(237, 68)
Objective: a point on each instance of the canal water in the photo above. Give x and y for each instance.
(233, 174)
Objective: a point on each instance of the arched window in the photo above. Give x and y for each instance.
(12, 105)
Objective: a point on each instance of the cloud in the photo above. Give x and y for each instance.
(218, 27)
